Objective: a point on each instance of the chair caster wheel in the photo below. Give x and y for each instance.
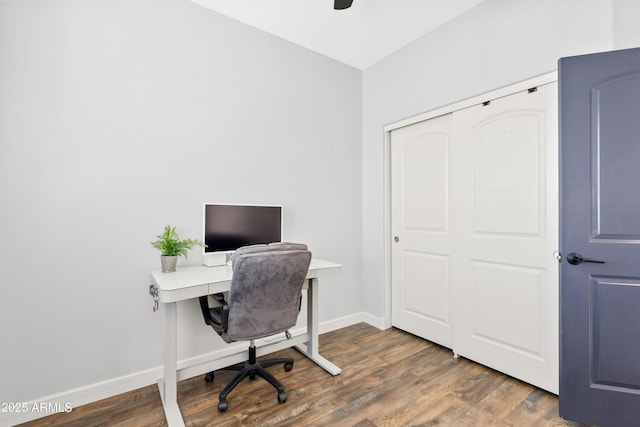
(222, 406)
(209, 377)
(288, 366)
(282, 397)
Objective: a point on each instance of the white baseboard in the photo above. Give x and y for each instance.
(352, 319)
(378, 322)
(67, 400)
(70, 399)
(340, 322)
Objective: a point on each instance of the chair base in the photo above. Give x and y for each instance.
(250, 369)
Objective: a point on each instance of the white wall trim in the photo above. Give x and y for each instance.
(102, 390)
(81, 396)
(498, 93)
(374, 321)
(340, 322)
(386, 217)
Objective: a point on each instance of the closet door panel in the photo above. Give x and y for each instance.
(506, 284)
(421, 226)
(506, 176)
(503, 291)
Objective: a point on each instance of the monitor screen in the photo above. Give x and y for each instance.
(228, 227)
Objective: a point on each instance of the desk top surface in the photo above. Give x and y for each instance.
(200, 275)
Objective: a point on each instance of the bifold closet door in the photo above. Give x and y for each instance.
(506, 218)
(421, 226)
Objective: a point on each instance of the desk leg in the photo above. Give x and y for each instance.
(169, 384)
(311, 350)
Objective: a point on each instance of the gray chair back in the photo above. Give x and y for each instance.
(265, 291)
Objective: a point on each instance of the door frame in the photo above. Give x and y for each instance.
(387, 242)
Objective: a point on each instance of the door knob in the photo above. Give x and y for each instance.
(575, 258)
(396, 239)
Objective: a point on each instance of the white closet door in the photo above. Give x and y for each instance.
(421, 226)
(506, 217)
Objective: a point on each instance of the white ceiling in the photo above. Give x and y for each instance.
(359, 36)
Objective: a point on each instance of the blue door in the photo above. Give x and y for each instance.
(600, 238)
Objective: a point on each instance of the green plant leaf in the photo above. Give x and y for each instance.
(169, 243)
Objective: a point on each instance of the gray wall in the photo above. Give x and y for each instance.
(118, 117)
(498, 43)
(626, 32)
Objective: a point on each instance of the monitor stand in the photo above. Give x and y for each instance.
(215, 259)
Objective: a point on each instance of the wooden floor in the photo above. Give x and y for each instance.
(389, 378)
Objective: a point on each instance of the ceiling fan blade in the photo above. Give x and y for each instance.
(342, 4)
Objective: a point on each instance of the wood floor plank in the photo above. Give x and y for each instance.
(502, 400)
(389, 378)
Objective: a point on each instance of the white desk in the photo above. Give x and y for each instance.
(196, 281)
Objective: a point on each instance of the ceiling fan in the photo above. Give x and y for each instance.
(342, 4)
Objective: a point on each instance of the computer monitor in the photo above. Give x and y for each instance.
(228, 227)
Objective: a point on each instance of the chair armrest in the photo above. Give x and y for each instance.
(216, 317)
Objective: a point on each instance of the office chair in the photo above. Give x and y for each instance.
(264, 299)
